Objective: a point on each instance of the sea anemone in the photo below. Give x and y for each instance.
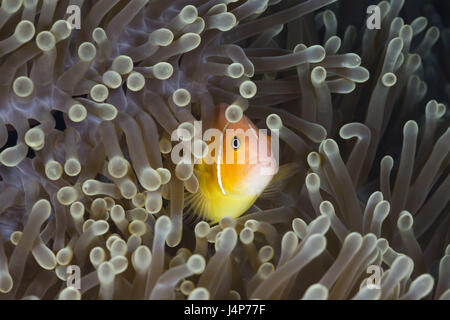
(92, 204)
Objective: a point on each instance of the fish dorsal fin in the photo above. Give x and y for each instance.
(278, 181)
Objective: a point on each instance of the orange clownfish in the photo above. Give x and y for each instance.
(237, 171)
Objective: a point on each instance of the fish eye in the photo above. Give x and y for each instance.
(235, 143)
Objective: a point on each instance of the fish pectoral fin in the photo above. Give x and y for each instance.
(197, 204)
(279, 180)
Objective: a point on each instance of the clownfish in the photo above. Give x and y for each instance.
(230, 188)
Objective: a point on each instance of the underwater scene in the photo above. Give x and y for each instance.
(224, 150)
